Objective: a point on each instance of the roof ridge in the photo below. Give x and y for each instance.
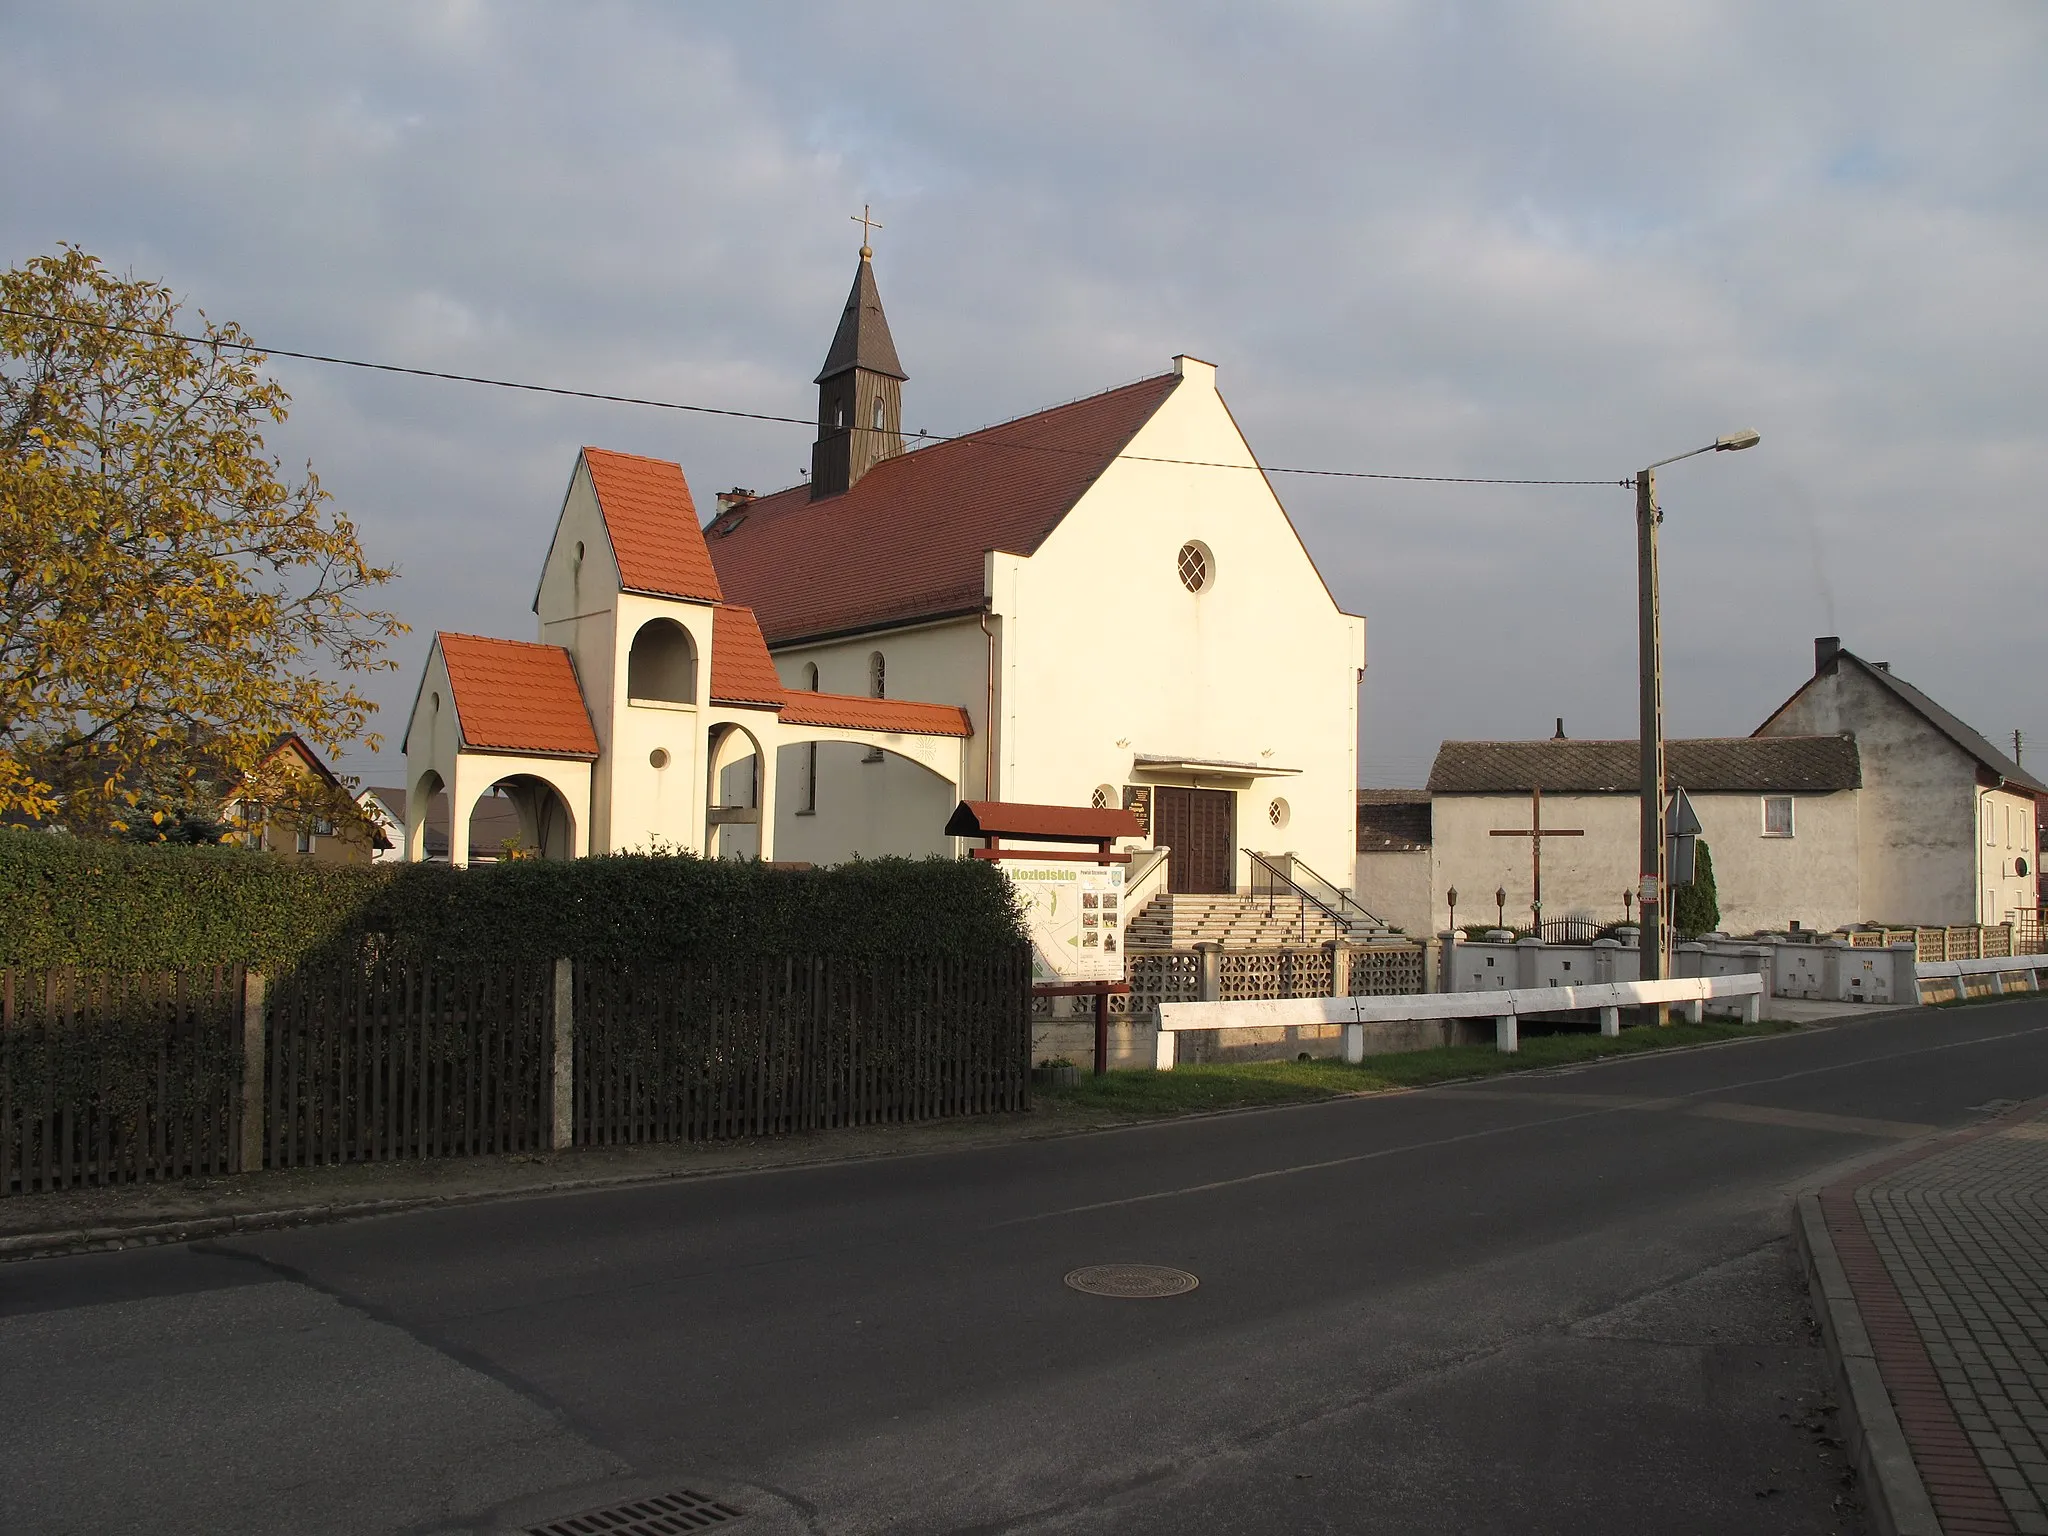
(460, 634)
(958, 439)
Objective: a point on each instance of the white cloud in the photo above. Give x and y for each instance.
(1550, 238)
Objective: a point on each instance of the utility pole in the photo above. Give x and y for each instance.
(1650, 662)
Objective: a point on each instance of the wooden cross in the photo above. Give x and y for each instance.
(866, 220)
(1536, 832)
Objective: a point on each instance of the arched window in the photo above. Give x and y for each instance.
(838, 414)
(811, 676)
(877, 689)
(662, 667)
(878, 413)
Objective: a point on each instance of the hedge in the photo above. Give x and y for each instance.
(109, 906)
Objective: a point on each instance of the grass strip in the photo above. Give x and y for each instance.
(1238, 1085)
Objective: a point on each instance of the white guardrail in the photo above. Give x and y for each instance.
(1504, 1008)
(1998, 967)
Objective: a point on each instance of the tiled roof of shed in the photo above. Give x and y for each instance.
(653, 525)
(1394, 821)
(907, 541)
(741, 671)
(516, 696)
(1740, 764)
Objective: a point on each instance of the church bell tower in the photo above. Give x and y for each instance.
(860, 392)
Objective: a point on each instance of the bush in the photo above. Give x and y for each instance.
(1696, 908)
(110, 906)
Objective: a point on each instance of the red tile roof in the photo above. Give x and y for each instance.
(741, 672)
(907, 541)
(515, 696)
(852, 712)
(1042, 823)
(653, 525)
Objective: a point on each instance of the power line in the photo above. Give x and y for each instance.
(606, 398)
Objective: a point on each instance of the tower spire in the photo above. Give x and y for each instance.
(860, 388)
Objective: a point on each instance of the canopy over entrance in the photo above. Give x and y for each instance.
(1042, 823)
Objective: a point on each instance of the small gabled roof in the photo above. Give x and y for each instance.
(652, 522)
(907, 541)
(516, 696)
(741, 672)
(1042, 823)
(1810, 765)
(862, 340)
(1953, 727)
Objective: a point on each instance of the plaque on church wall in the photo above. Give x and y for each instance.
(1138, 801)
(1075, 916)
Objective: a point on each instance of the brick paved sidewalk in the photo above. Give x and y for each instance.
(1946, 1250)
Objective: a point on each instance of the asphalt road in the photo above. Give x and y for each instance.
(1557, 1304)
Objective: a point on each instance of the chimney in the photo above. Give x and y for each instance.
(733, 500)
(1560, 729)
(1825, 649)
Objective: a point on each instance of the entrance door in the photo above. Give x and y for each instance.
(1199, 825)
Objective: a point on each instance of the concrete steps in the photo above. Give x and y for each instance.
(1235, 922)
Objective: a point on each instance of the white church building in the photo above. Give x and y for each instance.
(1100, 603)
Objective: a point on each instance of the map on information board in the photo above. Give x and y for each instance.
(1075, 916)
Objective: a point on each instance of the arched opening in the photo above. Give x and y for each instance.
(662, 666)
(426, 816)
(521, 817)
(733, 817)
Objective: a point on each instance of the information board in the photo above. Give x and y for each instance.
(1075, 916)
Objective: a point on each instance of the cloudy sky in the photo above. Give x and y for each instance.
(1538, 238)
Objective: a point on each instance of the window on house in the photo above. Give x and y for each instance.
(305, 839)
(811, 676)
(878, 415)
(839, 414)
(1990, 824)
(1777, 815)
(809, 807)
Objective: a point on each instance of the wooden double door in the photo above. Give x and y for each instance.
(1200, 826)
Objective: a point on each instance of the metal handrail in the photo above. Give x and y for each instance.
(1277, 878)
(1337, 894)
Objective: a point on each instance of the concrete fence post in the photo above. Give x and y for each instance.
(1507, 1035)
(1340, 968)
(1447, 960)
(1528, 955)
(1210, 985)
(1905, 971)
(249, 1155)
(1610, 1022)
(562, 1073)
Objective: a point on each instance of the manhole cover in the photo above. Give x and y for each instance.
(664, 1514)
(1132, 1280)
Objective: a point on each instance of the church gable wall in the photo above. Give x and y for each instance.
(1106, 653)
(652, 773)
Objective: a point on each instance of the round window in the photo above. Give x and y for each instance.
(658, 757)
(2019, 866)
(1197, 566)
(1104, 797)
(1277, 813)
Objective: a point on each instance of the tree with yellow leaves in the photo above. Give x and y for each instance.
(171, 602)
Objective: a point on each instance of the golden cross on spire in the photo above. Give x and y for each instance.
(867, 221)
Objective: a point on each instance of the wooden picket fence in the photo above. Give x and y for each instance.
(109, 1079)
(375, 1058)
(797, 1044)
(115, 1079)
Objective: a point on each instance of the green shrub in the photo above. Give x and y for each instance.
(110, 906)
(1696, 908)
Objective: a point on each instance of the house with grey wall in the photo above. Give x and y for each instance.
(1948, 821)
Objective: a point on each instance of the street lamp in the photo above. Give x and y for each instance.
(1650, 652)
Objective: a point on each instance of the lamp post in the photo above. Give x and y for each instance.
(1500, 907)
(1650, 653)
(1451, 896)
